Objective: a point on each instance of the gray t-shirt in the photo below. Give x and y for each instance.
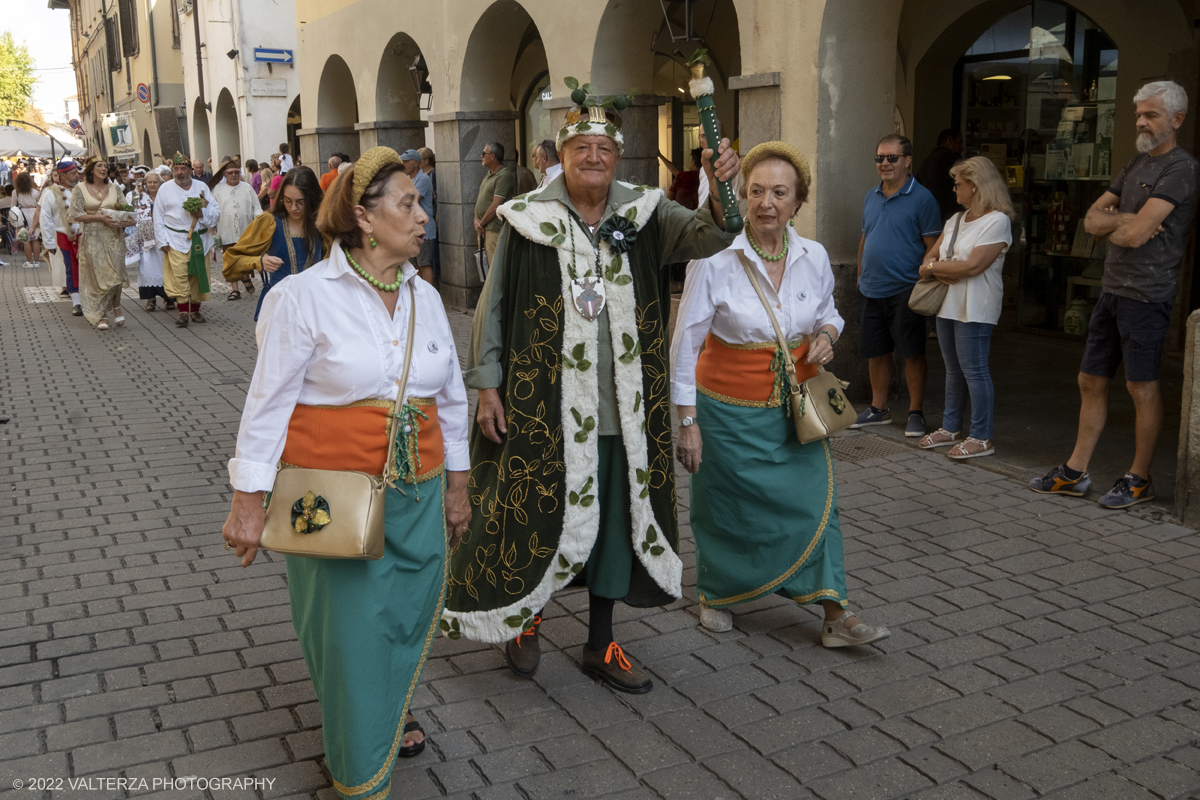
(1150, 273)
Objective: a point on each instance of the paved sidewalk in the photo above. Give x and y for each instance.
(1040, 647)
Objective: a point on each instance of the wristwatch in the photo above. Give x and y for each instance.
(687, 422)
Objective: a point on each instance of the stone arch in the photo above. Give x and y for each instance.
(201, 136)
(501, 36)
(337, 100)
(395, 95)
(228, 130)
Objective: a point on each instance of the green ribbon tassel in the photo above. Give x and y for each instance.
(779, 367)
(197, 266)
(406, 469)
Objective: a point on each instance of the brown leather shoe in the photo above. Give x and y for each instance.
(182, 320)
(616, 669)
(524, 653)
(198, 317)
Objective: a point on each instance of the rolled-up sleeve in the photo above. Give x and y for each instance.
(452, 406)
(483, 353)
(693, 322)
(827, 313)
(285, 347)
(687, 234)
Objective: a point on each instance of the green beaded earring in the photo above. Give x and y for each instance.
(371, 241)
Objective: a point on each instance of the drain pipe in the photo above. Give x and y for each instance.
(199, 64)
(153, 53)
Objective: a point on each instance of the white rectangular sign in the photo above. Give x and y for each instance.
(268, 87)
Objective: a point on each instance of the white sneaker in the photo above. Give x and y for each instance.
(836, 634)
(718, 620)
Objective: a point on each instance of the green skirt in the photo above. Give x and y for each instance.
(764, 510)
(365, 628)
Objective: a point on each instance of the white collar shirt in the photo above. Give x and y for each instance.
(552, 172)
(326, 338)
(171, 222)
(718, 297)
(49, 222)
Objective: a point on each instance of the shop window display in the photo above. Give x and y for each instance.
(1038, 98)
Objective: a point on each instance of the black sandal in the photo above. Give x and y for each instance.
(249, 286)
(234, 295)
(413, 750)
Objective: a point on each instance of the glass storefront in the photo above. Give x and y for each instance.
(1037, 97)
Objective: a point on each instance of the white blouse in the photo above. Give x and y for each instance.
(981, 298)
(718, 297)
(325, 338)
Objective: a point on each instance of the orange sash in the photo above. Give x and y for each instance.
(354, 437)
(741, 374)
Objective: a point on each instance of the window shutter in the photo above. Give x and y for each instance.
(112, 43)
(129, 28)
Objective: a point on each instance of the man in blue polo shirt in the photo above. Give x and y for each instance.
(901, 222)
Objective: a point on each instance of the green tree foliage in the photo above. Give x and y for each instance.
(16, 77)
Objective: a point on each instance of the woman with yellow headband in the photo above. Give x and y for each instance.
(332, 342)
(764, 506)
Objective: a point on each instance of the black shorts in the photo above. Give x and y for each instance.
(887, 325)
(425, 257)
(1124, 329)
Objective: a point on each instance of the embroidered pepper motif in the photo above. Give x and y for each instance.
(310, 513)
(835, 400)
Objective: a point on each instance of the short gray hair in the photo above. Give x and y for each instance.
(1174, 97)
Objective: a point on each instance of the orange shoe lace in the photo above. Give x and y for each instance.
(622, 661)
(537, 620)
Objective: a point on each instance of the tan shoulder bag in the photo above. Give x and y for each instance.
(325, 513)
(819, 405)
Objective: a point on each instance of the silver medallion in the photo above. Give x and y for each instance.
(588, 296)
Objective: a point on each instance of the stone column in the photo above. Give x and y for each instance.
(318, 144)
(400, 135)
(1187, 476)
(459, 137)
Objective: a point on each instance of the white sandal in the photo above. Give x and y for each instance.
(120, 321)
(102, 325)
(963, 451)
(939, 438)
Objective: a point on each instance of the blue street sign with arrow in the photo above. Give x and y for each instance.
(273, 56)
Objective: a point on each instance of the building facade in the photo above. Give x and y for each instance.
(238, 103)
(129, 76)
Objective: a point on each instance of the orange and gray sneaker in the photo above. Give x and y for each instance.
(1129, 490)
(1056, 482)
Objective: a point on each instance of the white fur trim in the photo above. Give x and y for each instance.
(699, 86)
(581, 523)
(573, 131)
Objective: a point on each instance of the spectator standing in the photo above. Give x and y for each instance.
(327, 178)
(900, 223)
(198, 171)
(934, 173)
(1146, 214)
(411, 161)
(969, 258)
(265, 175)
(545, 160)
(499, 185)
(253, 177)
(685, 187)
(429, 167)
(285, 158)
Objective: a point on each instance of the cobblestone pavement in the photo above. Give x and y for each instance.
(1040, 647)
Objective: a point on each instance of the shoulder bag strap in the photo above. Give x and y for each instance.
(788, 361)
(954, 236)
(394, 427)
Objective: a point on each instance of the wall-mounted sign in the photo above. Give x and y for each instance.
(143, 92)
(75, 124)
(268, 87)
(271, 56)
(119, 133)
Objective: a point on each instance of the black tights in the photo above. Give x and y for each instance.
(600, 614)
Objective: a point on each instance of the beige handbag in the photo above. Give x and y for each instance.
(929, 293)
(325, 513)
(819, 405)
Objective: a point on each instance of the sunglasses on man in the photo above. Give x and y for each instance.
(891, 159)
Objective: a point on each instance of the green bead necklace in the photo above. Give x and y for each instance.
(782, 255)
(378, 284)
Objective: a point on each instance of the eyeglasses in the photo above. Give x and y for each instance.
(891, 159)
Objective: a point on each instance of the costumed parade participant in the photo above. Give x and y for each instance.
(572, 477)
(336, 344)
(764, 505)
(239, 206)
(185, 212)
(140, 246)
(59, 236)
(283, 241)
(101, 245)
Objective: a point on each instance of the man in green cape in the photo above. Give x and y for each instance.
(572, 478)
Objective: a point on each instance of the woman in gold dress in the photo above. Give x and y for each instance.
(101, 246)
